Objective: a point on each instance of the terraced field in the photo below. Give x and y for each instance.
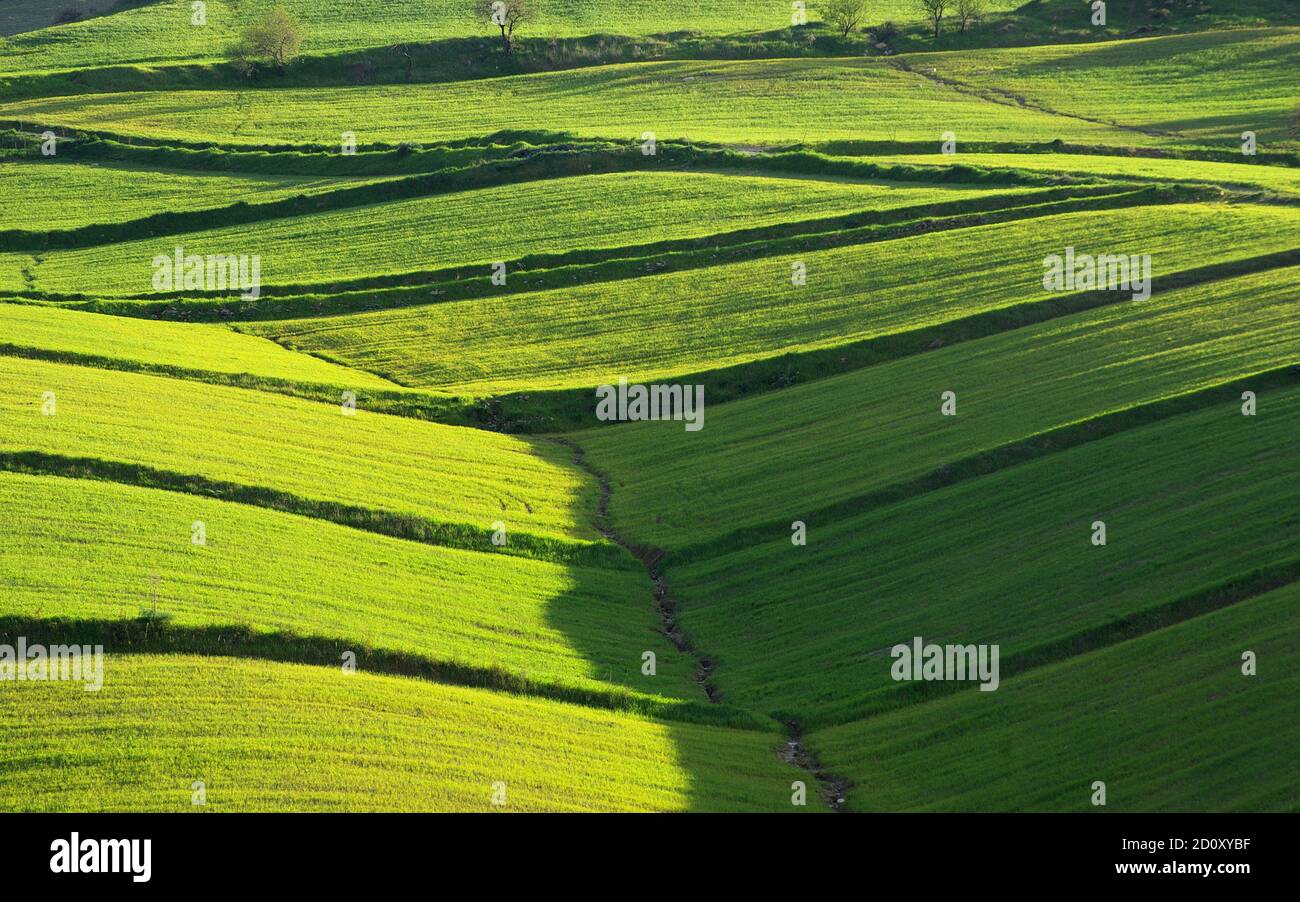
(1135, 736)
(369, 533)
(163, 32)
(70, 334)
(1010, 387)
(368, 461)
(1200, 86)
(770, 102)
(531, 619)
(602, 211)
(1026, 577)
(1280, 180)
(730, 314)
(53, 196)
(248, 729)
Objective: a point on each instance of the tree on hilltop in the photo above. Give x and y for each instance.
(276, 39)
(970, 12)
(844, 15)
(506, 15)
(934, 11)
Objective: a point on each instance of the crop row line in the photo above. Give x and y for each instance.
(621, 264)
(149, 634)
(845, 222)
(571, 408)
(410, 527)
(548, 411)
(411, 403)
(21, 133)
(1206, 600)
(1003, 457)
(545, 163)
(861, 148)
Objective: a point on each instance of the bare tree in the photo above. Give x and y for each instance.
(844, 15)
(506, 15)
(970, 12)
(934, 11)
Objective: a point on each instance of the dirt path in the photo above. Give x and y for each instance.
(665, 604)
(830, 789)
(1008, 98)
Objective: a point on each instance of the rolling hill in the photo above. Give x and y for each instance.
(361, 536)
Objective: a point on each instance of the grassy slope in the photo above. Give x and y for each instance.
(50, 195)
(91, 550)
(373, 460)
(488, 225)
(660, 326)
(12, 271)
(1167, 720)
(193, 346)
(162, 32)
(1279, 179)
(782, 455)
(373, 742)
(1007, 558)
(30, 15)
(1207, 88)
(764, 101)
(1036, 22)
(269, 736)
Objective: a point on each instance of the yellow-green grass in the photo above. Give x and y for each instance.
(88, 550)
(780, 456)
(267, 736)
(486, 226)
(12, 271)
(1278, 179)
(1207, 87)
(769, 102)
(162, 32)
(1188, 503)
(45, 195)
(1167, 721)
(657, 327)
(310, 450)
(155, 343)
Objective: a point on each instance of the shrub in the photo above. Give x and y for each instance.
(885, 33)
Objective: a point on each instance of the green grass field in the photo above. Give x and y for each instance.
(1146, 716)
(1205, 88)
(383, 457)
(449, 230)
(1004, 558)
(1042, 94)
(249, 729)
(765, 102)
(790, 453)
(728, 314)
(568, 627)
(191, 346)
(1276, 179)
(50, 195)
(162, 32)
(375, 461)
